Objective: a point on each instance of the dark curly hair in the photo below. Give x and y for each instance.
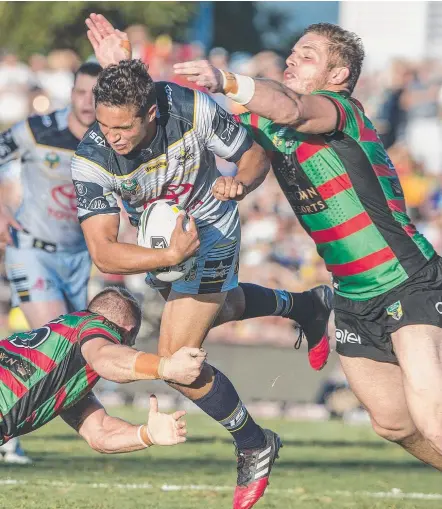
(126, 84)
(346, 49)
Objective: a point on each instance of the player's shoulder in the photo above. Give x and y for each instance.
(52, 130)
(93, 147)
(175, 101)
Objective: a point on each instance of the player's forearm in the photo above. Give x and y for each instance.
(253, 168)
(122, 364)
(276, 102)
(120, 258)
(118, 436)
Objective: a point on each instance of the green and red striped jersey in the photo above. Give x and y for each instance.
(42, 372)
(346, 194)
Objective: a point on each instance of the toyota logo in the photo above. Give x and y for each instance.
(65, 197)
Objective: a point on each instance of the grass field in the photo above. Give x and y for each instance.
(323, 465)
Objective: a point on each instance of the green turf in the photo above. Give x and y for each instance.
(318, 461)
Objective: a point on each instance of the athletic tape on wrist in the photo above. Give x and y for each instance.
(237, 87)
(140, 438)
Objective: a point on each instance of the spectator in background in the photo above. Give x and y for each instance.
(391, 113)
(16, 81)
(423, 133)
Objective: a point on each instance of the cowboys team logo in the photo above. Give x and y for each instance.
(52, 160)
(130, 186)
(395, 310)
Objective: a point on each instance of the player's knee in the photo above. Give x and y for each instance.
(432, 431)
(397, 432)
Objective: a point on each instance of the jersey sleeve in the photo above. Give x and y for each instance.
(350, 113)
(220, 132)
(260, 129)
(94, 189)
(99, 327)
(15, 143)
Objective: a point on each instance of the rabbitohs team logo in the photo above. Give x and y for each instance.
(130, 186)
(395, 310)
(52, 160)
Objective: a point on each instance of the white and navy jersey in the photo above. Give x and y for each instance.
(45, 147)
(179, 164)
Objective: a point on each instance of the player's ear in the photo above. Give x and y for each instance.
(152, 113)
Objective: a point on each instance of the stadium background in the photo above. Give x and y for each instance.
(401, 88)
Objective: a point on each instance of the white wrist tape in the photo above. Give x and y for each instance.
(140, 437)
(246, 88)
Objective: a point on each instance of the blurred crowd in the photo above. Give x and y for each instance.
(404, 101)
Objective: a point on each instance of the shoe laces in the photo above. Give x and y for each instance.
(245, 459)
(301, 336)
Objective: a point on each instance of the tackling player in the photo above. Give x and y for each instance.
(46, 259)
(52, 370)
(346, 193)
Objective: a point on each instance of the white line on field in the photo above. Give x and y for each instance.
(394, 493)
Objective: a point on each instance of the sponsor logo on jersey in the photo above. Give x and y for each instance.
(98, 203)
(302, 195)
(395, 310)
(344, 336)
(99, 140)
(17, 365)
(438, 307)
(80, 188)
(168, 91)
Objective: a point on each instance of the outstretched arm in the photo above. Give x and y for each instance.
(306, 113)
(111, 435)
(122, 364)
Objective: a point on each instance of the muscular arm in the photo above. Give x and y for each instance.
(103, 433)
(253, 167)
(122, 364)
(111, 256)
(306, 113)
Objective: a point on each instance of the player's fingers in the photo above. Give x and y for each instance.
(239, 189)
(180, 440)
(233, 189)
(191, 225)
(15, 224)
(178, 414)
(91, 25)
(92, 40)
(153, 404)
(180, 221)
(107, 27)
(187, 69)
(182, 432)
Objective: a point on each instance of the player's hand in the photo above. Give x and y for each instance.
(202, 73)
(228, 188)
(184, 242)
(165, 429)
(6, 220)
(110, 45)
(184, 366)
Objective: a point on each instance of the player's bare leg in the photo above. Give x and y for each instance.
(186, 322)
(419, 352)
(380, 388)
(40, 312)
(310, 309)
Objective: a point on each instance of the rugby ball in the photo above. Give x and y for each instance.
(155, 228)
